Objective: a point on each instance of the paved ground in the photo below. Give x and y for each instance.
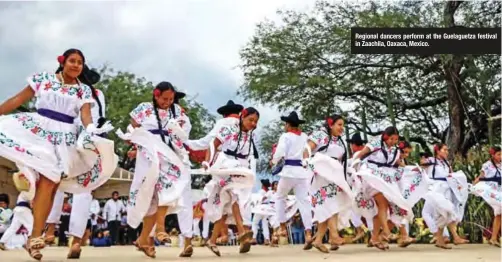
(352, 253)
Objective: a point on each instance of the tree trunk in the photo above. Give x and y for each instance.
(454, 88)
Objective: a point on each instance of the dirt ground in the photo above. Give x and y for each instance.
(352, 253)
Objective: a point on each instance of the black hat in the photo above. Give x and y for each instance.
(265, 183)
(178, 96)
(230, 108)
(292, 118)
(356, 139)
(91, 76)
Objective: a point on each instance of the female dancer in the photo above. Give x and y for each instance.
(232, 176)
(379, 183)
(487, 186)
(293, 175)
(413, 185)
(162, 174)
(45, 142)
(446, 198)
(81, 202)
(330, 192)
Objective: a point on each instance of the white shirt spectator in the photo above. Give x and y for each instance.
(113, 210)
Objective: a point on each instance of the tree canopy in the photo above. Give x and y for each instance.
(304, 62)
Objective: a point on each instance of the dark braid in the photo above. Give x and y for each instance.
(163, 86)
(84, 78)
(250, 111)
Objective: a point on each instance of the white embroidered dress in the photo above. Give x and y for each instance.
(371, 179)
(490, 191)
(161, 174)
(53, 148)
(232, 177)
(330, 191)
(447, 194)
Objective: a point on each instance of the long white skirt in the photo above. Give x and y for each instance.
(159, 178)
(331, 194)
(39, 145)
(232, 181)
(448, 199)
(370, 180)
(414, 186)
(490, 192)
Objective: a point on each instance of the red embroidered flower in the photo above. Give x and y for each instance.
(80, 93)
(412, 188)
(64, 90)
(363, 203)
(235, 137)
(19, 149)
(48, 86)
(403, 212)
(323, 193)
(148, 112)
(35, 130)
(87, 180)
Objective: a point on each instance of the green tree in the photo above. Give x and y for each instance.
(305, 62)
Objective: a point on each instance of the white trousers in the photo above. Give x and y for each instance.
(80, 214)
(428, 214)
(205, 226)
(301, 188)
(57, 208)
(264, 226)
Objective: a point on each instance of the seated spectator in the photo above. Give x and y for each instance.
(5, 213)
(102, 239)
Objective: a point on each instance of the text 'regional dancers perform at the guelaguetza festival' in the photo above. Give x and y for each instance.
(61, 149)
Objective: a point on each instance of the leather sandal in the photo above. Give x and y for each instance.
(75, 251)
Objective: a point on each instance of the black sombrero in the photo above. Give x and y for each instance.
(292, 118)
(230, 108)
(265, 183)
(356, 139)
(91, 76)
(178, 96)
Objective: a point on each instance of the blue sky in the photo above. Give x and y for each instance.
(193, 44)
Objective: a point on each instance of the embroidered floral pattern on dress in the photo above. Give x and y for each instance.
(417, 180)
(55, 138)
(92, 175)
(327, 191)
(364, 203)
(49, 83)
(4, 140)
(169, 174)
(132, 198)
(389, 175)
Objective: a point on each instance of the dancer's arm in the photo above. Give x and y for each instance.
(280, 150)
(16, 101)
(86, 116)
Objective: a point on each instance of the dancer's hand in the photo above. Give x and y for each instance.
(205, 165)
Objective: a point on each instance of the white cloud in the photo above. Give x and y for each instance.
(194, 44)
